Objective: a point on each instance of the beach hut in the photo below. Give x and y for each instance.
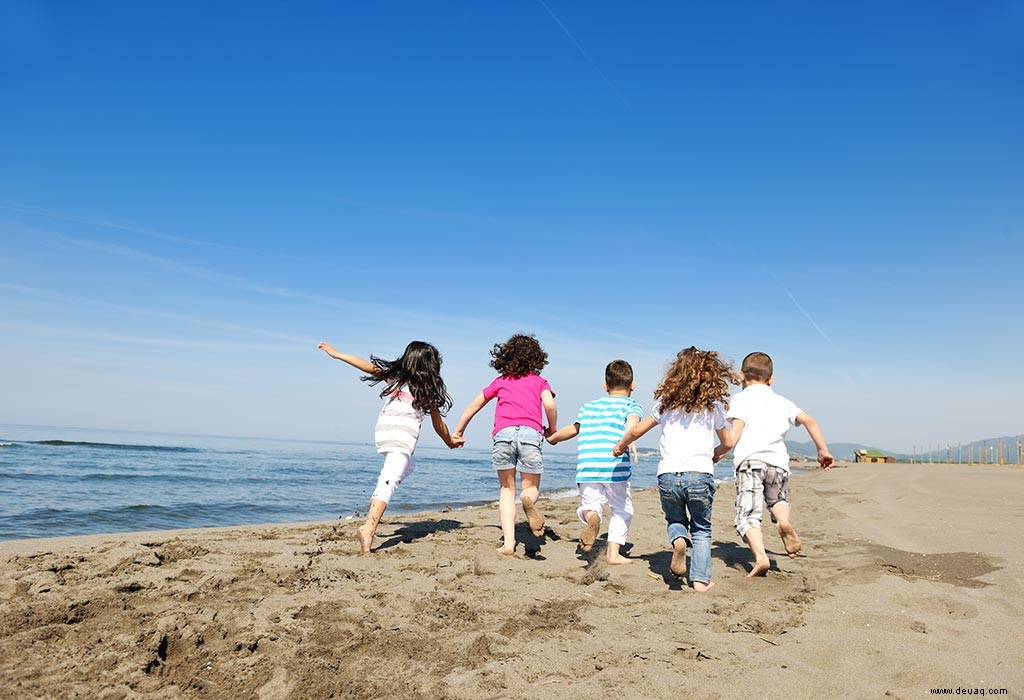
(873, 456)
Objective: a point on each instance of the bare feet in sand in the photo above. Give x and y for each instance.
(533, 517)
(507, 551)
(365, 538)
(616, 559)
(678, 564)
(790, 539)
(703, 587)
(589, 534)
(761, 567)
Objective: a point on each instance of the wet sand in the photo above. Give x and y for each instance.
(911, 579)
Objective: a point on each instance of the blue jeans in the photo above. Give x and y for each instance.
(686, 499)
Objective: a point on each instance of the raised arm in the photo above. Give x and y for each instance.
(550, 410)
(824, 458)
(566, 433)
(634, 433)
(441, 428)
(361, 364)
(479, 402)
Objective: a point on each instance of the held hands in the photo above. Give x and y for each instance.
(456, 441)
(619, 450)
(825, 460)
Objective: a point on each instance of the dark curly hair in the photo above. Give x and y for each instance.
(419, 368)
(695, 381)
(519, 356)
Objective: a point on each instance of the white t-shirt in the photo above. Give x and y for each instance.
(687, 439)
(766, 418)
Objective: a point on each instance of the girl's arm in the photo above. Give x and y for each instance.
(479, 402)
(725, 444)
(824, 458)
(550, 410)
(633, 434)
(359, 363)
(566, 433)
(441, 428)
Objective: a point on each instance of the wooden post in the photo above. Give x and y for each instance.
(969, 451)
(1000, 452)
(959, 453)
(949, 452)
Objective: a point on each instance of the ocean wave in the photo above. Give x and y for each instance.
(114, 446)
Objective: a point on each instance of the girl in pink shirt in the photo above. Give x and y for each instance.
(525, 399)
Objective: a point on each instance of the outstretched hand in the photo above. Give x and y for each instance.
(326, 348)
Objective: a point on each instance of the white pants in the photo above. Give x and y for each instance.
(618, 496)
(397, 467)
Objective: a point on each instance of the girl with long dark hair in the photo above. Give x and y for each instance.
(412, 388)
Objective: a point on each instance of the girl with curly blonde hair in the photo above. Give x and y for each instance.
(690, 410)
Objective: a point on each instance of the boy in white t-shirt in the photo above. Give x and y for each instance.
(760, 420)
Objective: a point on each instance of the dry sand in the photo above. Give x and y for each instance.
(912, 580)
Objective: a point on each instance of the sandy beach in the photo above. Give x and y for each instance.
(911, 580)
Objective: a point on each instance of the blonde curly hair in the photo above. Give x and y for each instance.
(695, 381)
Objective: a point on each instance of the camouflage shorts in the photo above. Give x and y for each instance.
(758, 483)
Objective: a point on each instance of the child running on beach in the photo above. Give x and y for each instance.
(601, 477)
(412, 388)
(689, 410)
(760, 420)
(524, 400)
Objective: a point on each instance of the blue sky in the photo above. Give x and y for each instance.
(192, 197)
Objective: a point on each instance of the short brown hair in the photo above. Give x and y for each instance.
(757, 366)
(618, 375)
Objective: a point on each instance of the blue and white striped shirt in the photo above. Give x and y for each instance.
(602, 424)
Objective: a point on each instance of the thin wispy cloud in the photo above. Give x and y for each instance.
(155, 234)
(584, 53)
(66, 334)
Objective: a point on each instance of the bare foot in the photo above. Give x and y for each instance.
(365, 538)
(790, 539)
(761, 567)
(533, 517)
(678, 564)
(703, 587)
(589, 534)
(507, 551)
(616, 559)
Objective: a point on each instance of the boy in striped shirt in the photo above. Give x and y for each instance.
(602, 477)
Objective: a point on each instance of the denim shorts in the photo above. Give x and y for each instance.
(518, 447)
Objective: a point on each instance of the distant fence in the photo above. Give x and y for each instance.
(995, 451)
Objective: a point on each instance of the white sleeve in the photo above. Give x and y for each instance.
(792, 411)
(718, 417)
(737, 408)
(656, 412)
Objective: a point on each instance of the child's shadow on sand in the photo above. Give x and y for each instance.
(733, 555)
(736, 556)
(408, 532)
(532, 543)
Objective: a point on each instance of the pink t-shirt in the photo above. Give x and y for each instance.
(518, 401)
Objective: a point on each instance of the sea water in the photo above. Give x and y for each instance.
(73, 481)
